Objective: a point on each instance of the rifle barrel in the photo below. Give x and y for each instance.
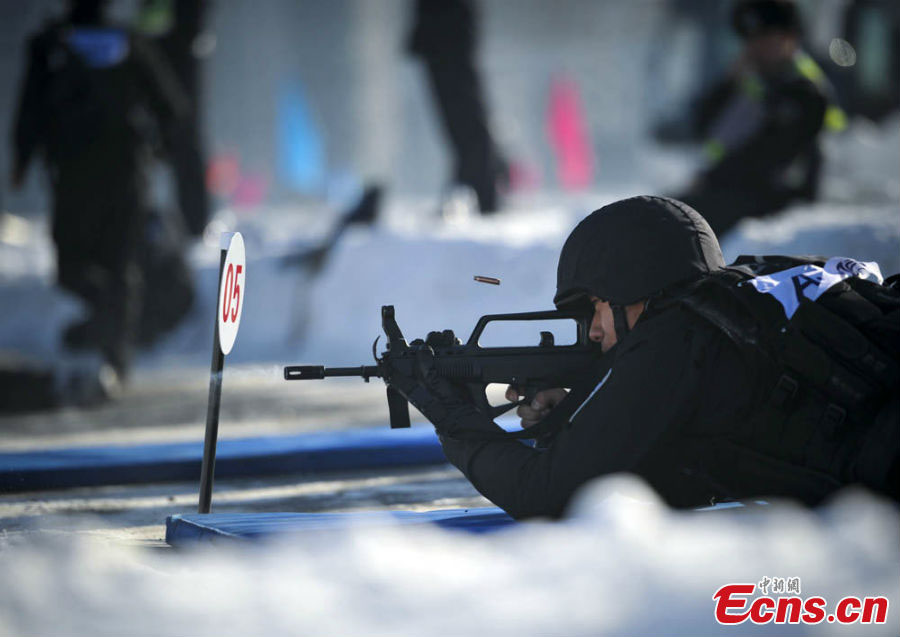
(314, 372)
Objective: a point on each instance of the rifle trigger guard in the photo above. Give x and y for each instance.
(502, 409)
(375, 350)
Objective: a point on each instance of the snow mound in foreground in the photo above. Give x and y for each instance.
(623, 564)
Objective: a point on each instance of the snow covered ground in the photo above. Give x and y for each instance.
(623, 564)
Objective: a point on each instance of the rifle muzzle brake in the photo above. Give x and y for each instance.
(315, 372)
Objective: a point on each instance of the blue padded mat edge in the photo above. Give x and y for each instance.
(191, 528)
(180, 461)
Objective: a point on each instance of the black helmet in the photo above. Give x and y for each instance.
(754, 17)
(631, 249)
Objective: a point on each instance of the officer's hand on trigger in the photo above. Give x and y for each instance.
(540, 406)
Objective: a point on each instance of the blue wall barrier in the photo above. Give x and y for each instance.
(167, 462)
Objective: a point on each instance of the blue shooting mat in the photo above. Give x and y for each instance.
(187, 530)
(244, 457)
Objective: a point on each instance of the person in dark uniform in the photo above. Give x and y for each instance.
(444, 36)
(175, 28)
(685, 394)
(89, 91)
(761, 123)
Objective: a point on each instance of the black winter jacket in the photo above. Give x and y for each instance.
(673, 383)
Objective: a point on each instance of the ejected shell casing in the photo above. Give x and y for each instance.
(487, 279)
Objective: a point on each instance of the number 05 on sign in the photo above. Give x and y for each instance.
(232, 276)
(231, 291)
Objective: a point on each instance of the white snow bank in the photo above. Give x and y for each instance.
(867, 233)
(623, 564)
(428, 277)
(422, 266)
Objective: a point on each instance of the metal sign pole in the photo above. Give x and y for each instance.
(212, 410)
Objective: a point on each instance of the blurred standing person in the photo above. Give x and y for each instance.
(444, 36)
(762, 121)
(89, 93)
(176, 28)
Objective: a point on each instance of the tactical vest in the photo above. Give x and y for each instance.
(744, 115)
(77, 94)
(822, 337)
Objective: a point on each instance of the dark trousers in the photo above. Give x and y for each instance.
(458, 97)
(444, 36)
(96, 229)
(187, 163)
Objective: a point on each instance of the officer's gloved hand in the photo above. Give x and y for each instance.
(446, 405)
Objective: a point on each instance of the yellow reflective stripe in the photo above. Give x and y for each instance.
(156, 18)
(752, 87)
(809, 69)
(714, 150)
(835, 119)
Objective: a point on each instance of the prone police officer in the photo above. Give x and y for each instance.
(715, 382)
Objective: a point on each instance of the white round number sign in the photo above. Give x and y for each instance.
(231, 290)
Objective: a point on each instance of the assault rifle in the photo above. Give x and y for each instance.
(531, 369)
